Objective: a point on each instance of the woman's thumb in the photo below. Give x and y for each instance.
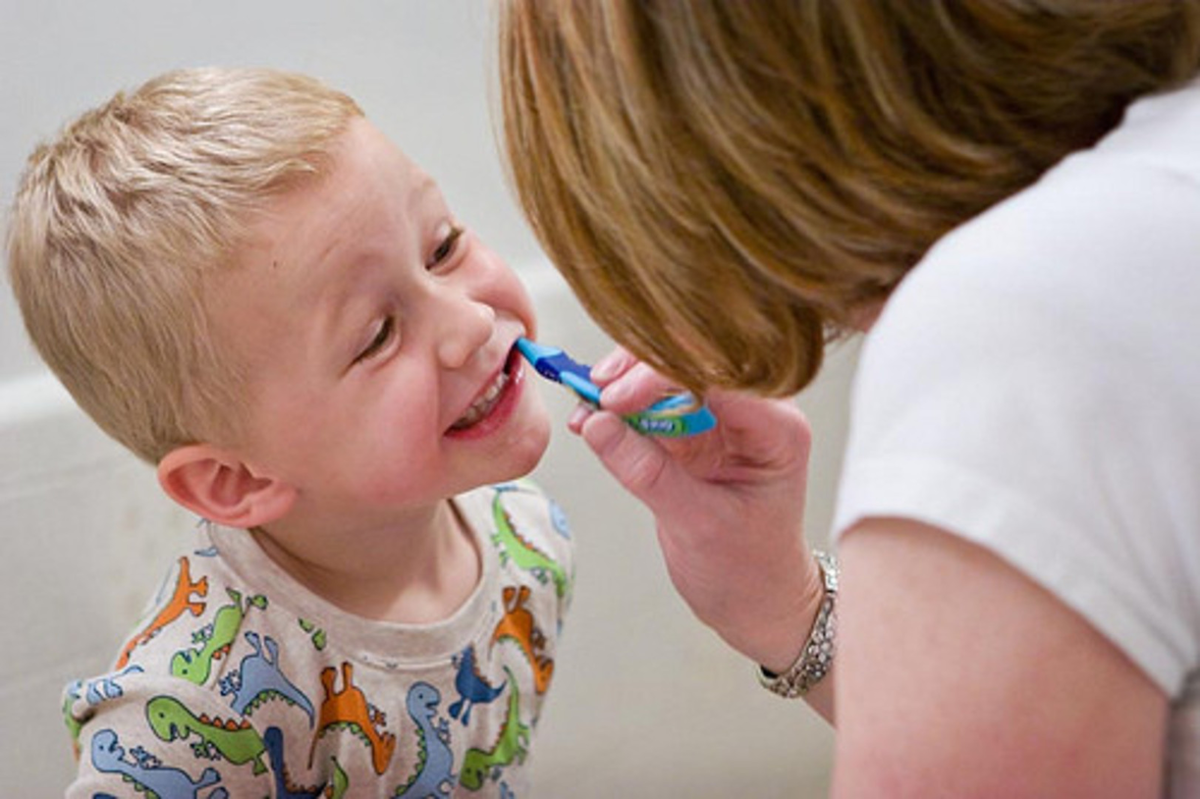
(638, 463)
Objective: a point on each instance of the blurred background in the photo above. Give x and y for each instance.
(646, 701)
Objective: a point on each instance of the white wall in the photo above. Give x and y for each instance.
(646, 701)
(419, 68)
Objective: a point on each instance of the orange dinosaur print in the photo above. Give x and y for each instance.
(518, 624)
(180, 601)
(350, 708)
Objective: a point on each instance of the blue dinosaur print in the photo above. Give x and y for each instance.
(559, 520)
(96, 691)
(273, 740)
(435, 775)
(106, 687)
(259, 678)
(145, 772)
(472, 688)
(215, 638)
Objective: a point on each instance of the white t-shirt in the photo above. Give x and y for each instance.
(1033, 386)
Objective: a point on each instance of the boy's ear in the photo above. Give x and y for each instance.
(220, 487)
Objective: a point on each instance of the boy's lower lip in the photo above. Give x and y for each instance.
(501, 411)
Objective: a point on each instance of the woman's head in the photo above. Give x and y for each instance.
(727, 184)
(120, 222)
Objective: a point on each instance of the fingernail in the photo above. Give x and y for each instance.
(579, 416)
(612, 395)
(605, 368)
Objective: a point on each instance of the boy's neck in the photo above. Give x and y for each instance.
(419, 573)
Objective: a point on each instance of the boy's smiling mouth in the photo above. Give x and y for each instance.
(490, 397)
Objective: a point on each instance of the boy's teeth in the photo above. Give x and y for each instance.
(482, 406)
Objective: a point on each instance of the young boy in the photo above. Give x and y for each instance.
(242, 280)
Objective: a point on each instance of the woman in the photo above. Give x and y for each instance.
(1007, 196)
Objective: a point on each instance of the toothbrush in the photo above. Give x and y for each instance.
(674, 417)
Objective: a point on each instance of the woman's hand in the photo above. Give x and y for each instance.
(729, 506)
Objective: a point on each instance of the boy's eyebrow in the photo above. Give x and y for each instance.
(337, 300)
(425, 187)
(334, 271)
(340, 264)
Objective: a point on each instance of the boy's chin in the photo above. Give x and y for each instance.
(533, 445)
(526, 452)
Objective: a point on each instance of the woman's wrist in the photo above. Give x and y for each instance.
(815, 659)
(777, 631)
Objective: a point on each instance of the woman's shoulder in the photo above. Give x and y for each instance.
(1097, 255)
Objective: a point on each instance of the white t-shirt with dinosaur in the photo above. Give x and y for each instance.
(241, 683)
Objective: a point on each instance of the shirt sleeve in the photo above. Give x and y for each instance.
(139, 735)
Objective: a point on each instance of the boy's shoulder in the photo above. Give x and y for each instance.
(201, 611)
(187, 671)
(219, 670)
(199, 599)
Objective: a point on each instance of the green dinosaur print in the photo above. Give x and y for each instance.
(339, 784)
(195, 665)
(524, 554)
(238, 744)
(315, 633)
(511, 744)
(73, 725)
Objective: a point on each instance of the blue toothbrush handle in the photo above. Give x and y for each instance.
(586, 390)
(673, 417)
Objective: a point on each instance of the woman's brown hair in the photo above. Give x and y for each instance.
(726, 185)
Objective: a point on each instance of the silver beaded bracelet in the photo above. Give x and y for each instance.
(816, 658)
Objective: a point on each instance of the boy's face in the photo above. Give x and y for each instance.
(379, 339)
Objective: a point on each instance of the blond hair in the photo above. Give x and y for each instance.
(119, 221)
(726, 185)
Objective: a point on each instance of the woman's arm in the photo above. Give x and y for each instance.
(955, 675)
(958, 676)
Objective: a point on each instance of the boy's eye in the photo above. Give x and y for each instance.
(445, 249)
(382, 336)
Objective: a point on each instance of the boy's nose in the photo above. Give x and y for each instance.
(465, 326)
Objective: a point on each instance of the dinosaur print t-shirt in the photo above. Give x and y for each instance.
(238, 682)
